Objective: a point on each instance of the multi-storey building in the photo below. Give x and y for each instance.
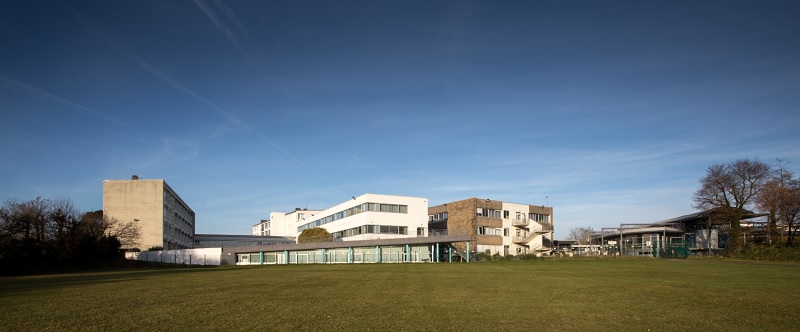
(164, 218)
(496, 227)
(283, 224)
(366, 217)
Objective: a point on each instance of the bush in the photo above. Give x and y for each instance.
(313, 235)
(770, 253)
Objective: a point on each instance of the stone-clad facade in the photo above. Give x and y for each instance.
(496, 226)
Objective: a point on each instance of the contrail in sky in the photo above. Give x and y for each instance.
(221, 25)
(122, 48)
(36, 93)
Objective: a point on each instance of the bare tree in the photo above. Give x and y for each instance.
(127, 232)
(780, 199)
(98, 225)
(581, 234)
(732, 187)
(63, 218)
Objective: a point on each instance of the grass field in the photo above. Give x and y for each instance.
(568, 294)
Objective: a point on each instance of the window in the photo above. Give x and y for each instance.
(505, 214)
(505, 231)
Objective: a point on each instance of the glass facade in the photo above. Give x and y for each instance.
(385, 254)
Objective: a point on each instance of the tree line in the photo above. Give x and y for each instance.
(41, 235)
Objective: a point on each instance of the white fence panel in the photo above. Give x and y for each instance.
(199, 256)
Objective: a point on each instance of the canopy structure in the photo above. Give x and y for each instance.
(706, 230)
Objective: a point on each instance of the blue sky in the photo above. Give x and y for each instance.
(609, 111)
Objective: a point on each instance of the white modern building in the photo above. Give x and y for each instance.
(164, 218)
(366, 217)
(283, 224)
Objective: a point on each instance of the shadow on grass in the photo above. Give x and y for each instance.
(26, 284)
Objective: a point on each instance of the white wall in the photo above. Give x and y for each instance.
(202, 256)
(417, 216)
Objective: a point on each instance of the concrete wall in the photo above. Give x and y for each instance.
(141, 201)
(165, 220)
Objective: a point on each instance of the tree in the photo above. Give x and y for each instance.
(732, 187)
(43, 235)
(316, 234)
(581, 234)
(780, 200)
(127, 232)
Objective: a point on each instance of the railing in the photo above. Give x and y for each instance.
(543, 227)
(446, 232)
(524, 239)
(546, 243)
(520, 222)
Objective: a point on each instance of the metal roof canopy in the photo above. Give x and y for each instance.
(715, 216)
(676, 225)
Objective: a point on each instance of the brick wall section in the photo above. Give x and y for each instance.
(461, 218)
(488, 204)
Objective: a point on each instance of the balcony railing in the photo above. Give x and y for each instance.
(520, 222)
(546, 243)
(542, 227)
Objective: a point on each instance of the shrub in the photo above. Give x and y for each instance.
(770, 253)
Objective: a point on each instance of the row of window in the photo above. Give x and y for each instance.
(539, 217)
(374, 207)
(388, 254)
(437, 217)
(491, 213)
(371, 229)
(484, 230)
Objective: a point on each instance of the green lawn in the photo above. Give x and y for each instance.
(567, 294)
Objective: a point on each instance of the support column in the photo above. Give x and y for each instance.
(408, 253)
(377, 254)
(349, 254)
(450, 253)
(323, 256)
(467, 251)
(286, 257)
(436, 258)
(260, 258)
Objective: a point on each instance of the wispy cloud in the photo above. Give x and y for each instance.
(228, 116)
(230, 17)
(36, 93)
